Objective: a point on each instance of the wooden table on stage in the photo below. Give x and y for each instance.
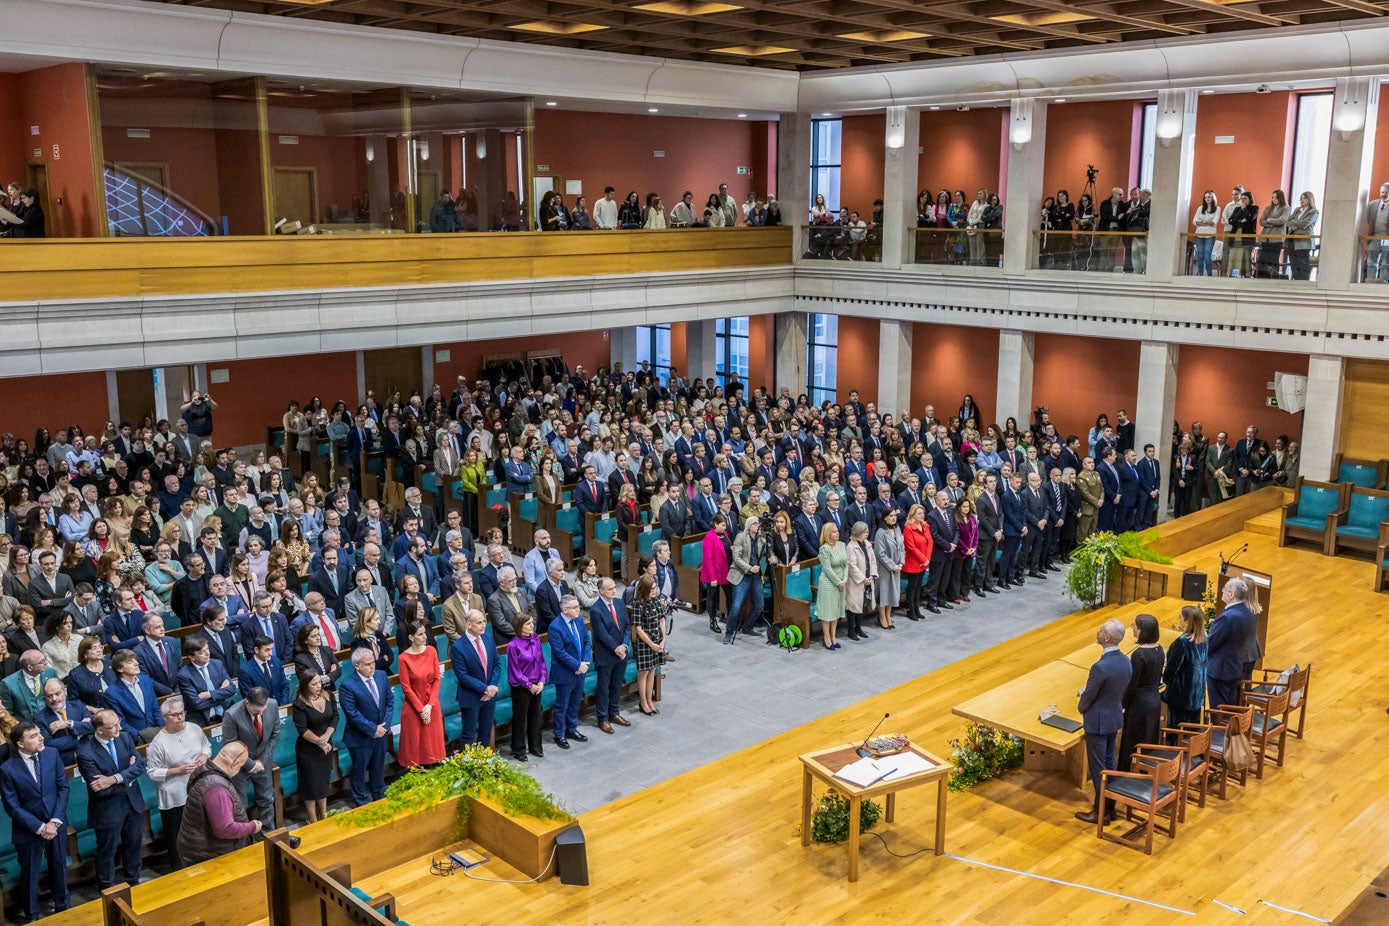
(825, 763)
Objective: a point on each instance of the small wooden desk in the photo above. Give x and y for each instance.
(825, 763)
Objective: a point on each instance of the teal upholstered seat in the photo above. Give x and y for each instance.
(496, 495)
(646, 539)
(692, 554)
(1314, 503)
(567, 520)
(529, 508)
(1358, 474)
(1366, 513)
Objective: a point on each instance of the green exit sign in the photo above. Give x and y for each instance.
(1272, 401)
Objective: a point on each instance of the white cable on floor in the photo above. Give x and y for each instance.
(469, 874)
(1083, 887)
(1319, 919)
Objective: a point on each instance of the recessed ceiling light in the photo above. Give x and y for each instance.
(687, 7)
(1043, 18)
(652, 109)
(555, 27)
(753, 51)
(1207, 91)
(1060, 99)
(551, 103)
(742, 115)
(884, 35)
(935, 108)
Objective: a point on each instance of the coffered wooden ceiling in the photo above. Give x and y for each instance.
(815, 34)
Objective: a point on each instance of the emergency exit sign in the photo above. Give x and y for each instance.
(745, 170)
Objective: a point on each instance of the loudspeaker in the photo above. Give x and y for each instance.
(571, 856)
(1193, 586)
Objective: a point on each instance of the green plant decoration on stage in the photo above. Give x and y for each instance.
(1095, 563)
(831, 820)
(982, 754)
(475, 772)
(1209, 606)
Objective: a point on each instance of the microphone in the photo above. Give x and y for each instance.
(1224, 563)
(1231, 560)
(862, 750)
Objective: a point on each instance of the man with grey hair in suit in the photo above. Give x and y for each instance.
(255, 723)
(1102, 708)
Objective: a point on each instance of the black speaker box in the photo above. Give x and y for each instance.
(571, 856)
(1193, 586)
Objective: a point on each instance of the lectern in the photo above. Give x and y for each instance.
(1260, 592)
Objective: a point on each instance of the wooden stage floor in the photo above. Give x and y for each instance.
(720, 844)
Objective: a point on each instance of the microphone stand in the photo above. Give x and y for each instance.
(862, 751)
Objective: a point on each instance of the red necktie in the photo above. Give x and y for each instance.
(329, 636)
(260, 730)
(481, 656)
(612, 609)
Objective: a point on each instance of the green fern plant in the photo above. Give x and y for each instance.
(831, 820)
(1095, 562)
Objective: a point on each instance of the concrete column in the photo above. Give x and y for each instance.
(1022, 191)
(895, 367)
(113, 397)
(1348, 167)
(622, 347)
(793, 171)
(361, 359)
(701, 349)
(791, 341)
(427, 368)
(1014, 376)
(1173, 156)
(172, 386)
(1157, 403)
(1321, 419)
(899, 185)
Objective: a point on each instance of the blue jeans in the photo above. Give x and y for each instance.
(1205, 247)
(750, 586)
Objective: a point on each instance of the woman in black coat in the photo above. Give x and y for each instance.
(1143, 697)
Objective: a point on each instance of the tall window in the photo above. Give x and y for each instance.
(823, 360)
(1311, 147)
(732, 337)
(1147, 141)
(653, 346)
(825, 136)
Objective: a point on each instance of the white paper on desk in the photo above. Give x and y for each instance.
(861, 773)
(904, 764)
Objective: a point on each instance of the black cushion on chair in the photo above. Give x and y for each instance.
(1136, 789)
(1273, 724)
(1218, 742)
(1171, 753)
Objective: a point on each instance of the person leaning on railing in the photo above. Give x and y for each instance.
(1243, 220)
(1271, 231)
(1302, 221)
(1206, 220)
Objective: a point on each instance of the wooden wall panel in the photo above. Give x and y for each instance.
(1362, 410)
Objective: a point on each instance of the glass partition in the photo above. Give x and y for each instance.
(182, 154)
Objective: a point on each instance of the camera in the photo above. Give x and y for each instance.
(1091, 173)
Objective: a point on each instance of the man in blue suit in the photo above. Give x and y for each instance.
(219, 589)
(807, 530)
(612, 646)
(159, 656)
(34, 789)
(1230, 643)
(479, 673)
(1058, 510)
(1109, 479)
(133, 697)
(1130, 492)
(419, 564)
(262, 670)
(1102, 709)
(1150, 488)
(204, 684)
(62, 722)
(123, 629)
(591, 494)
(704, 506)
(358, 442)
(519, 478)
(265, 621)
(367, 701)
(571, 652)
(111, 767)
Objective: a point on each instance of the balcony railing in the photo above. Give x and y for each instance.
(974, 247)
(1092, 251)
(840, 242)
(1288, 257)
(1373, 265)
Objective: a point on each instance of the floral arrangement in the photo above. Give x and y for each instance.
(982, 754)
(831, 820)
(1095, 563)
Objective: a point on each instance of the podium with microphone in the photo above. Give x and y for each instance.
(1260, 592)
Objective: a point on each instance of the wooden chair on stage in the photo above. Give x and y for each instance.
(1153, 791)
(1229, 721)
(1361, 522)
(1269, 730)
(1193, 748)
(1382, 559)
(1297, 681)
(1367, 474)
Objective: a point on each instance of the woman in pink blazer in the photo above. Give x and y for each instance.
(713, 571)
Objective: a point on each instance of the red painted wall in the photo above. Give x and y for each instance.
(1090, 133)
(187, 153)
(610, 149)
(55, 99)
(12, 130)
(761, 351)
(1260, 158)
(1077, 378)
(862, 151)
(679, 349)
(339, 163)
(32, 402)
(1226, 390)
(257, 391)
(963, 150)
(949, 361)
(858, 358)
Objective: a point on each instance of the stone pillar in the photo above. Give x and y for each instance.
(1348, 180)
(1022, 191)
(1157, 403)
(361, 360)
(791, 346)
(1014, 377)
(701, 349)
(899, 185)
(622, 347)
(172, 387)
(1173, 156)
(427, 369)
(895, 367)
(793, 171)
(1321, 419)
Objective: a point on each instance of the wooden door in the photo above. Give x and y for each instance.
(392, 369)
(296, 194)
(135, 390)
(38, 179)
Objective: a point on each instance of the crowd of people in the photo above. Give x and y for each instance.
(23, 204)
(109, 541)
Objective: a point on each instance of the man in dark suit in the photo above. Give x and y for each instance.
(1014, 533)
(477, 669)
(571, 652)
(50, 590)
(1034, 506)
(265, 621)
(64, 723)
(1232, 639)
(34, 790)
(206, 689)
(990, 514)
(358, 442)
(255, 723)
(704, 506)
(612, 645)
(367, 701)
(1245, 460)
(222, 640)
(1058, 510)
(910, 496)
(262, 670)
(111, 768)
(519, 478)
(159, 656)
(591, 493)
(945, 536)
(422, 566)
(1130, 491)
(675, 514)
(1109, 478)
(219, 593)
(191, 591)
(860, 509)
(807, 529)
(416, 508)
(1150, 489)
(548, 595)
(332, 581)
(1102, 709)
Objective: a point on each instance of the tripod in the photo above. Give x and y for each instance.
(1089, 190)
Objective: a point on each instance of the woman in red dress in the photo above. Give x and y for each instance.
(421, 719)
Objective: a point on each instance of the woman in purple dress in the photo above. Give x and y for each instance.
(963, 557)
(526, 674)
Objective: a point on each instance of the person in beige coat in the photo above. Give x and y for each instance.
(863, 572)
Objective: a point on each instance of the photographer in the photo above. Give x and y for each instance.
(197, 411)
(1111, 220)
